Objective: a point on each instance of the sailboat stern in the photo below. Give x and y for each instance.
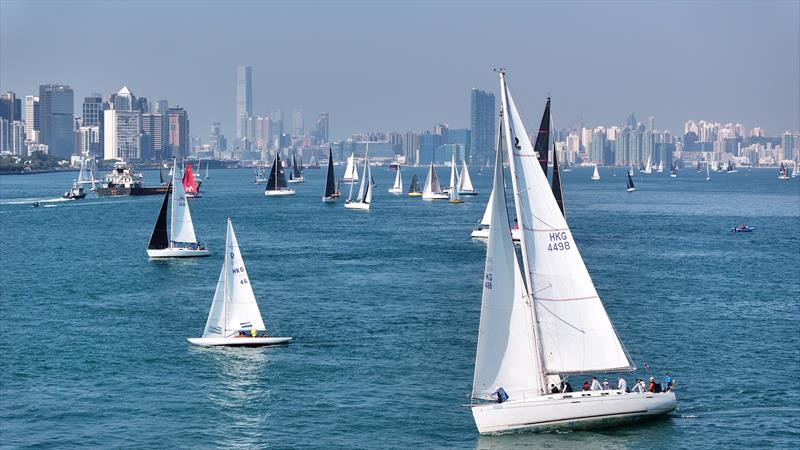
(571, 411)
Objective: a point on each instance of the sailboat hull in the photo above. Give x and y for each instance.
(177, 253)
(442, 196)
(280, 193)
(357, 205)
(395, 191)
(467, 193)
(239, 341)
(296, 180)
(571, 411)
(330, 199)
(483, 233)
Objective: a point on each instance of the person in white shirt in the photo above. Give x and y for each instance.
(595, 384)
(639, 388)
(622, 385)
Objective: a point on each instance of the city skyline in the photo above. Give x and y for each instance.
(706, 67)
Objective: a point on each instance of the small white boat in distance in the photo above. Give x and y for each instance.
(276, 184)
(596, 174)
(465, 182)
(398, 183)
(234, 319)
(432, 189)
(364, 199)
(181, 241)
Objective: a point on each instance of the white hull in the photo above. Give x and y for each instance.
(239, 341)
(435, 196)
(350, 180)
(467, 192)
(359, 206)
(177, 252)
(575, 410)
(395, 191)
(330, 199)
(484, 234)
(631, 189)
(279, 193)
(297, 180)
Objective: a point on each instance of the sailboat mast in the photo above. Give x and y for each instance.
(172, 203)
(523, 241)
(225, 282)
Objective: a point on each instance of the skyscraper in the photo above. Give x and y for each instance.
(322, 128)
(178, 134)
(56, 119)
(32, 118)
(481, 124)
(154, 135)
(298, 123)
(92, 110)
(244, 96)
(10, 107)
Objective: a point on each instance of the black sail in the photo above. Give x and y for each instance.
(543, 138)
(414, 185)
(557, 191)
(330, 184)
(159, 238)
(630, 180)
(277, 179)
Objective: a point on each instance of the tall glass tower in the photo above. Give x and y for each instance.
(482, 125)
(56, 109)
(244, 96)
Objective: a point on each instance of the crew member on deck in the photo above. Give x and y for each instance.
(622, 385)
(595, 384)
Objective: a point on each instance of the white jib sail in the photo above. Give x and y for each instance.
(351, 172)
(431, 183)
(506, 355)
(398, 181)
(453, 174)
(215, 324)
(487, 215)
(182, 227)
(575, 332)
(466, 182)
(241, 310)
(363, 187)
(596, 174)
(370, 186)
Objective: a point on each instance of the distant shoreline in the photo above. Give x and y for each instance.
(35, 172)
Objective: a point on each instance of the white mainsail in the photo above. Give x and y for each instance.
(647, 167)
(398, 182)
(365, 188)
(234, 307)
(431, 183)
(453, 174)
(351, 172)
(574, 331)
(506, 355)
(182, 229)
(596, 174)
(370, 186)
(466, 182)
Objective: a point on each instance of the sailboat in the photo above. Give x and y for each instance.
(331, 190)
(207, 164)
(631, 187)
(648, 169)
(260, 174)
(453, 185)
(181, 241)
(794, 170)
(190, 183)
(673, 172)
(234, 319)
(731, 167)
(364, 199)
(482, 230)
(454, 198)
(708, 171)
(397, 188)
(433, 190)
(351, 172)
(198, 177)
(413, 189)
(783, 172)
(296, 175)
(465, 182)
(660, 168)
(596, 174)
(543, 320)
(276, 183)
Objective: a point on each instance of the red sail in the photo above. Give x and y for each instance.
(189, 184)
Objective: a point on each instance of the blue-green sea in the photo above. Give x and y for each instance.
(384, 308)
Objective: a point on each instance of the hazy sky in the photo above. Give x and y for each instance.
(405, 66)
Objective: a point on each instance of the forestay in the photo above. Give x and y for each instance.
(575, 332)
(182, 227)
(506, 355)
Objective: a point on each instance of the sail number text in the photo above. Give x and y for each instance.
(241, 270)
(558, 242)
(487, 282)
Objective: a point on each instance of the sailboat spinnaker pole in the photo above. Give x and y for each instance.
(523, 241)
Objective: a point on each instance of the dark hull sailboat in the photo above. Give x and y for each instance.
(631, 187)
(413, 189)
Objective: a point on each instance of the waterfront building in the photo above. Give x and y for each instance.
(121, 134)
(482, 119)
(244, 97)
(178, 132)
(32, 118)
(89, 141)
(56, 119)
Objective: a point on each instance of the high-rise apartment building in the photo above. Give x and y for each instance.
(89, 141)
(322, 128)
(32, 118)
(56, 119)
(92, 111)
(10, 107)
(154, 136)
(410, 147)
(482, 124)
(178, 132)
(298, 123)
(244, 97)
(597, 146)
(121, 134)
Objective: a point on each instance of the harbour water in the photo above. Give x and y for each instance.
(384, 309)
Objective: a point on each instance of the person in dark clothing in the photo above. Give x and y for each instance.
(566, 387)
(586, 385)
(554, 389)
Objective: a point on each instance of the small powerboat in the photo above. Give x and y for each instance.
(742, 229)
(75, 192)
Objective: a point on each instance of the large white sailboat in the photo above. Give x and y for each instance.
(397, 188)
(234, 319)
(544, 320)
(364, 199)
(465, 182)
(181, 241)
(432, 189)
(351, 172)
